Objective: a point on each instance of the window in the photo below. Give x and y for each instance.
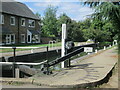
(3, 38)
(12, 20)
(22, 38)
(8, 39)
(12, 38)
(2, 19)
(29, 39)
(31, 23)
(22, 22)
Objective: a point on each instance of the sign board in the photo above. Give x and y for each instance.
(88, 49)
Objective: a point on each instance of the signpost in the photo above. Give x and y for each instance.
(64, 36)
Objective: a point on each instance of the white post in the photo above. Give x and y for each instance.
(113, 43)
(17, 73)
(109, 45)
(104, 47)
(88, 53)
(95, 50)
(31, 50)
(63, 43)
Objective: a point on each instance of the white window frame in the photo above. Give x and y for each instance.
(8, 39)
(21, 38)
(21, 21)
(12, 17)
(29, 21)
(2, 19)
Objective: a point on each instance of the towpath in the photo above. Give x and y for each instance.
(89, 71)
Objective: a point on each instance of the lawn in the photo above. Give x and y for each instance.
(38, 45)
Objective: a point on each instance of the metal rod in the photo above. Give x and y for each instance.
(21, 63)
(21, 47)
(47, 62)
(14, 48)
(69, 64)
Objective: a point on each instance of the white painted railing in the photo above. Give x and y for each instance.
(21, 47)
(21, 63)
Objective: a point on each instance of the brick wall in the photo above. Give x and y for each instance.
(22, 29)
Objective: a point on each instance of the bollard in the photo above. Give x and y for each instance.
(14, 48)
(17, 73)
(88, 53)
(42, 67)
(113, 44)
(47, 62)
(95, 50)
(31, 50)
(109, 45)
(104, 47)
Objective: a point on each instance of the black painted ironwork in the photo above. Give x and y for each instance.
(14, 48)
(67, 56)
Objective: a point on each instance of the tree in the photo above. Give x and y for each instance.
(97, 30)
(49, 28)
(109, 11)
(38, 15)
(73, 29)
(64, 19)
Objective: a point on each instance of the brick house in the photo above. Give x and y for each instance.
(18, 24)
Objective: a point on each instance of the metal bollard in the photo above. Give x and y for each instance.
(17, 73)
(104, 47)
(14, 48)
(109, 45)
(47, 62)
(31, 50)
(96, 51)
(88, 53)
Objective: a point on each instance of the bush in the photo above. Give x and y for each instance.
(102, 44)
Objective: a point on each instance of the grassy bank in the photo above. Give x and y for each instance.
(40, 45)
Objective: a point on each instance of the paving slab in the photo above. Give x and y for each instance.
(85, 72)
(90, 70)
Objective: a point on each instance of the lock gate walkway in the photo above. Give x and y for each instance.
(90, 71)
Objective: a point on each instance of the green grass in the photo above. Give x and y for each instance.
(38, 45)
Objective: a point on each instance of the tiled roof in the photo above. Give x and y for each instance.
(18, 8)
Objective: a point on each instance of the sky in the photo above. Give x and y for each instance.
(73, 8)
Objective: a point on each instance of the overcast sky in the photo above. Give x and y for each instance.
(73, 8)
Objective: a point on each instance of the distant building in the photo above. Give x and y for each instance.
(18, 24)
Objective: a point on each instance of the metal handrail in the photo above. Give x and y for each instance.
(22, 47)
(14, 55)
(67, 56)
(21, 63)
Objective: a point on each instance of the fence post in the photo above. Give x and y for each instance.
(14, 48)
(31, 50)
(95, 50)
(47, 62)
(104, 47)
(17, 73)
